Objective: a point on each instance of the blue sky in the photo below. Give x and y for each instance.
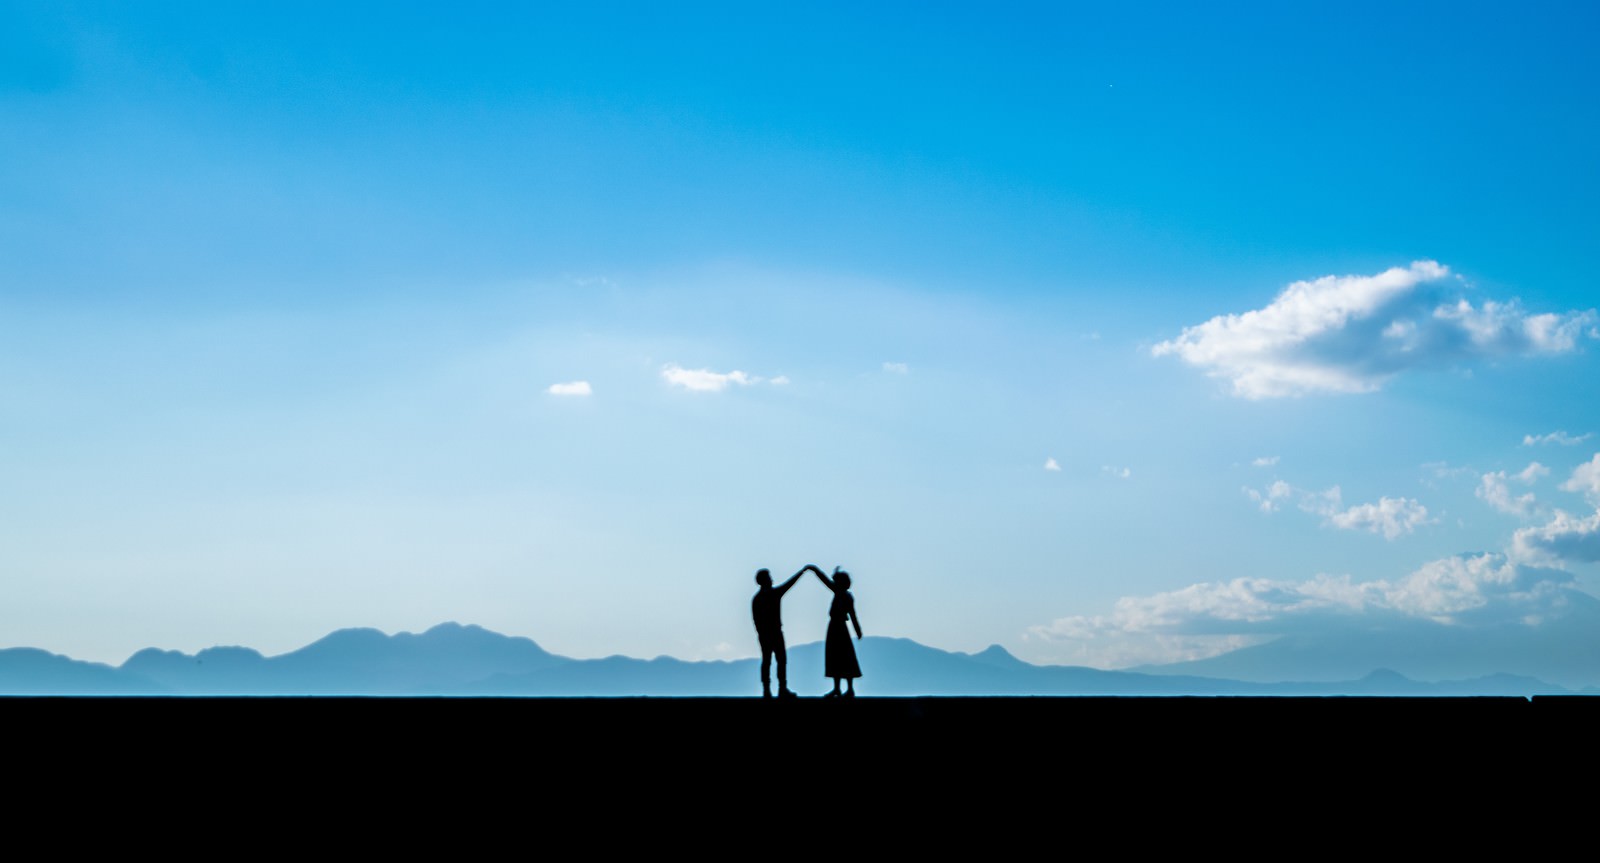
(284, 292)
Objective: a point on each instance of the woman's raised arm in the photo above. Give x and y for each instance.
(824, 578)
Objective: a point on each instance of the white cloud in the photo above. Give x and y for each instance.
(1586, 479)
(575, 388)
(1443, 470)
(1532, 472)
(897, 368)
(1495, 489)
(1325, 503)
(1118, 472)
(1556, 437)
(705, 380)
(779, 381)
(1051, 464)
(1265, 461)
(1349, 334)
(1270, 498)
(1566, 537)
(1390, 516)
(1211, 618)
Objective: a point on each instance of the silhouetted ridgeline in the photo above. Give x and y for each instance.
(451, 659)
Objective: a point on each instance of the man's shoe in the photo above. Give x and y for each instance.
(786, 693)
(831, 695)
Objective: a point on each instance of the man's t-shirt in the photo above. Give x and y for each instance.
(766, 608)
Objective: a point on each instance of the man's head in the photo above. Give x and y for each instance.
(763, 578)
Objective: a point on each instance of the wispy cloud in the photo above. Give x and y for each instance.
(1206, 619)
(1495, 489)
(1349, 334)
(897, 368)
(1391, 516)
(707, 381)
(1585, 480)
(1271, 497)
(1567, 537)
(1560, 438)
(1051, 464)
(575, 388)
(1444, 470)
(1265, 461)
(1117, 472)
(1476, 592)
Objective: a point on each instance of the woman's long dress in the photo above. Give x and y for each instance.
(839, 654)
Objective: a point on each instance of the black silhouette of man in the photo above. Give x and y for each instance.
(766, 608)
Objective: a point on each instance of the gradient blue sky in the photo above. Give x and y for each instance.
(284, 290)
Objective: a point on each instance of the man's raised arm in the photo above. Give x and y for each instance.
(783, 588)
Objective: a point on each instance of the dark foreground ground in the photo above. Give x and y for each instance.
(579, 736)
(608, 763)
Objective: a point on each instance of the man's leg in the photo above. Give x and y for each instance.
(766, 670)
(783, 665)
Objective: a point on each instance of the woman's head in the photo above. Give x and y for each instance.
(841, 578)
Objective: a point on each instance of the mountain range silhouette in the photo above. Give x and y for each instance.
(456, 659)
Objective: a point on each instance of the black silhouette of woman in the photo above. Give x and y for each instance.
(839, 655)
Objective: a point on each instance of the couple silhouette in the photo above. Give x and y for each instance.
(839, 654)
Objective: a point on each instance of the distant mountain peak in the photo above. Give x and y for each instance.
(996, 655)
(155, 654)
(346, 639)
(229, 654)
(460, 631)
(450, 627)
(355, 633)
